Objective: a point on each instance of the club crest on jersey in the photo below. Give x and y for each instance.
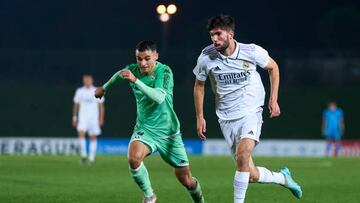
(246, 65)
(152, 76)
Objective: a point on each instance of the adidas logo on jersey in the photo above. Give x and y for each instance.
(217, 68)
(251, 132)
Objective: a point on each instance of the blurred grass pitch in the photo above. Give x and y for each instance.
(62, 179)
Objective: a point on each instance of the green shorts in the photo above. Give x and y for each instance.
(170, 147)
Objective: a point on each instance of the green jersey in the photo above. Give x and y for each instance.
(152, 116)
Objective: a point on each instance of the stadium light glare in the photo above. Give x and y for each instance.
(171, 9)
(161, 9)
(164, 17)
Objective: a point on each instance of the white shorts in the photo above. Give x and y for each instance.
(90, 126)
(246, 127)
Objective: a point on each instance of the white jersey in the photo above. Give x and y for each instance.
(88, 104)
(235, 82)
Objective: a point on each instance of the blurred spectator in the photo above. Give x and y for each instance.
(88, 117)
(333, 126)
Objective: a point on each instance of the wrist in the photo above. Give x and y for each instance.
(74, 118)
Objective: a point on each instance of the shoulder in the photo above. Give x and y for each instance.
(163, 68)
(79, 89)
(340, 111)
(208, 53)
(248, 49)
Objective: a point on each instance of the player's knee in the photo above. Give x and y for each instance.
(243, 158)
(135, 160)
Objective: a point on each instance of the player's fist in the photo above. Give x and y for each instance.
(99, 92)
(128, 75)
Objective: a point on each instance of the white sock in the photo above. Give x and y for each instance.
(82, 142)
(241, 182)
(92, 150)
(267, 176)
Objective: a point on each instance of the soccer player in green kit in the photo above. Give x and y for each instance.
(157, 126)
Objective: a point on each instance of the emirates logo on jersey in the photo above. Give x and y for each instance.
(233, 78)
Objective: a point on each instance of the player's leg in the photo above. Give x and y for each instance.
(137, 152)
(93, 133)
(242, 174)
(82, 144)
(172, 151)
(185, 177)
(259, 174)
(82, 128)
(92, 148)
(337, 145)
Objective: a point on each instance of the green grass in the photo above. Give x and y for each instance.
(61, 179)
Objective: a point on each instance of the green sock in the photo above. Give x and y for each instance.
(196, 193)
(141, 177)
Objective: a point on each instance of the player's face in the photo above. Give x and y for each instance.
(87, 80)
(221, 38)
(146, 60)
(332, 105)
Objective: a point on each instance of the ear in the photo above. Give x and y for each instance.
(156, 55)
(231, 34)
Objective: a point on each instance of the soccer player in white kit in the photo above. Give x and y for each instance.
(88, 116)
(239, 97)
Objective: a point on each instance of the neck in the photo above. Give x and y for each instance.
(148, 73)
(230, 50)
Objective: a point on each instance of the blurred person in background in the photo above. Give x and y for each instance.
(239, 96)
(88, 117)
(333, 126)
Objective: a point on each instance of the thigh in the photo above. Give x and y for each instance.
(82, 126)
(251, 126)
(229, 129)
(137, 151)
(94, 129)
(172, 150)
(144, 137)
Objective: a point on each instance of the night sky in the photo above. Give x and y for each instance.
(91, 24)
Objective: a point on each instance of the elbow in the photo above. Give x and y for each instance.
(160, 100)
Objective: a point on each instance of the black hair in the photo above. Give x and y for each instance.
(221, 21)
(146, 45)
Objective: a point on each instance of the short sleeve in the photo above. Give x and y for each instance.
(164, 80)
(261, 56)
(200, 69)
(341, 113)
(76, 98)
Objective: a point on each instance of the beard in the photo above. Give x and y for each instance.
(222, 48)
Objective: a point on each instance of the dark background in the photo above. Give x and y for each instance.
(46, 47)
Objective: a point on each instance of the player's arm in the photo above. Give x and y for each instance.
(342, 124)
(323, 125)
(101, 113)
(100, 91)
(74, 114)
(273, 70)
(199, 103)
(155, 94)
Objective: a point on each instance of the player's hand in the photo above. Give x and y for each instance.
(201, 128)
(274, 108)
(99, 92)
(128, 75)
